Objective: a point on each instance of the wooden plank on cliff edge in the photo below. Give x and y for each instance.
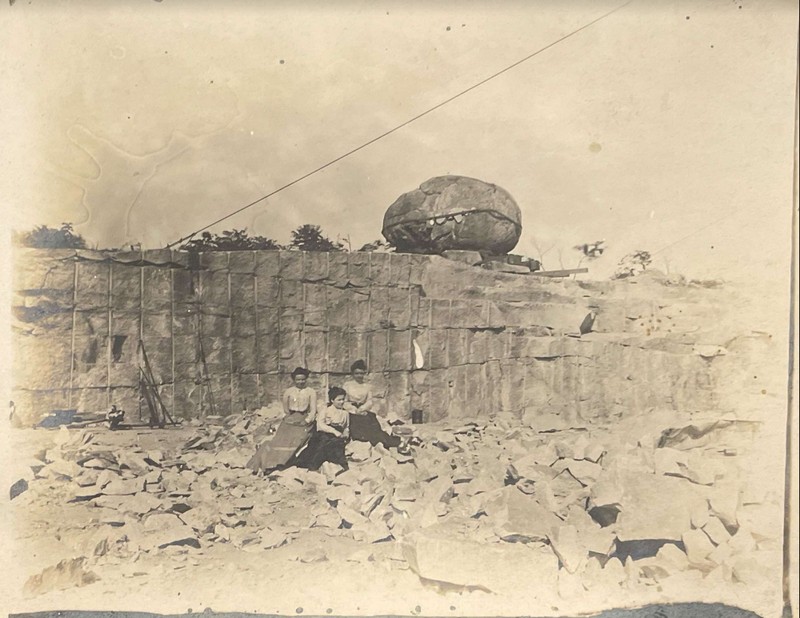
(560, 273)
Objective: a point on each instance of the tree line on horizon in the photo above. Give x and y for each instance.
(306, 237)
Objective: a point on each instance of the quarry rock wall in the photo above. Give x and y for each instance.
(223, 330)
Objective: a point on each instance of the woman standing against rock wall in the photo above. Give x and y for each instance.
(300, 407)
(364, 425)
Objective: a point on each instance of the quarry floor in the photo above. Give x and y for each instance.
(277, 554)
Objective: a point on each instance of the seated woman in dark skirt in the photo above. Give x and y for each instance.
(300, 407)
(328, 442)
(364, 425)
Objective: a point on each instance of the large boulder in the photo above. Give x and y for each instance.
(453, 212)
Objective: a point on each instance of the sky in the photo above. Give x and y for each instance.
(666, 126)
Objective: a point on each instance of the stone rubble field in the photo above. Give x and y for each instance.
(493, 516)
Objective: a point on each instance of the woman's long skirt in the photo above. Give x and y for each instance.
(291, 435)
(366, 428)
(322, 447)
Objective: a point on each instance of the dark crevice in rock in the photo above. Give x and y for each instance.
(604, 515)
(642, 548)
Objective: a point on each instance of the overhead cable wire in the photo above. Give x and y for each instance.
(400, 126)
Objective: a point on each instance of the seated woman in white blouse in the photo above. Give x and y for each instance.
(328, 442)
(300, 407)
(364, 425)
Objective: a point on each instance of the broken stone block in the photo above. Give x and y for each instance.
(124, 487)
(328, 519)
(313, 555)
(155, 457)
(160, 521)
(724, 502)
(176, 535)
(698, 547)
(764, 521)
(350, 516)
(506, 268)
(69, 573)
(100, 541)
(719, 576)
(66, 469)
(358, 451)
(109, 502)
(757, 567)
(97, 463)
(606, 492)
(403, 457)
(133, 461)
(481, 484)
(599, 583)
(231, 520)
(700, 516)
(87, 479)
(673, 555)
(614, 571)
(370, 503)
(701, 469)
(571, 552)
(330, 470)
(361, 556)
(426, 517)
(222, 532)
(532, 467)
(18, 488)
(272, 538)
(631, 573)
(651, 569)
(566, 489)
(543, 492)
(594, 452)
(133, 533)
(340, 494)
(243, 538)
(243, 504)
(472, 565)
(438, 490)
(670, 461)
(315, 478)
(462, 477)
(141, 503)
(742, 542)
(472, 258)
(289, 482)
(521, 516)
(188, 476)
(371, 532)
(656, 507)
(405, 492)
(569, 586)
(595, 538)
(721, 554)
(83, 494)
(106, 476)
(716, 531)
(584, 471)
